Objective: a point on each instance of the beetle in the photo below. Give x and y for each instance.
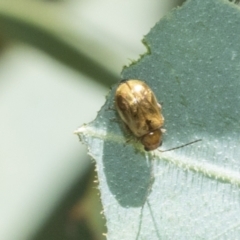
(139, 109)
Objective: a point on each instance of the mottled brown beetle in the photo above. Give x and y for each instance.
(139, 109)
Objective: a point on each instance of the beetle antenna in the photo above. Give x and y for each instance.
(186, 144)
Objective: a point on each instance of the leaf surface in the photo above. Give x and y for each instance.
(193, 67)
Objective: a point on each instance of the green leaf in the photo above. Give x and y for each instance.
(193, 67)
(55, 45)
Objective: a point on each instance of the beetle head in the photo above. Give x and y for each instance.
(152, 140)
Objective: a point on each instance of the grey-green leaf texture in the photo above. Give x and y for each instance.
(193, 67)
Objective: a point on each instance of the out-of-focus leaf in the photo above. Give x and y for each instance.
(54, 45)
(193, 67)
